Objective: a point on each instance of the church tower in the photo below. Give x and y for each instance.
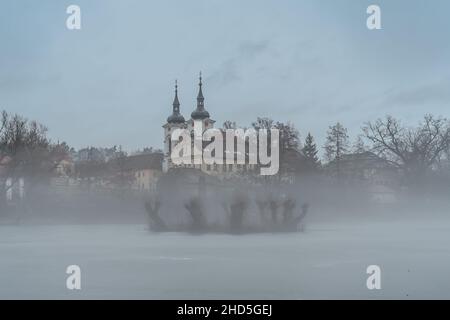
(200, 113)
(174, 121)
(177, 121)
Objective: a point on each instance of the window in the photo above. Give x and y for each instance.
(170, 144)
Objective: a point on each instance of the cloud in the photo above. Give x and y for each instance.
(24, 81)
(435, 93)
(229, 70)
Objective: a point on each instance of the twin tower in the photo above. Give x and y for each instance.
(177, 121)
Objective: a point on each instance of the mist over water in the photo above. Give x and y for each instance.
(109, 237)
(327, 260)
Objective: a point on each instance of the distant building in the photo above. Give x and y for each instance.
(14, 186)
(146, 170)
(4, 161)
(138, 172)
(379, 176)
(64, 167)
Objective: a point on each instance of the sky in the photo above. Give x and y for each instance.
(311, 62)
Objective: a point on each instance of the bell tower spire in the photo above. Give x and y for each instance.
(200, 113)
(200, 98)
(176, 116)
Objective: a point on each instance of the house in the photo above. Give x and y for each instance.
(13, 187)
(365, 169)
(4, 160)
(137, 172)
(146, 169)
(64, 167)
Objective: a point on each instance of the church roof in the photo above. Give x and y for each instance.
(144, 162)
(175, 118)
(199, 114)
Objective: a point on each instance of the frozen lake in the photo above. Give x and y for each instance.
(328, 260)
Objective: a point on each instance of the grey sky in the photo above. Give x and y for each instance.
(310, 62)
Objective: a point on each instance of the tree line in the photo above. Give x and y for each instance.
(27, 152)
(418, 152)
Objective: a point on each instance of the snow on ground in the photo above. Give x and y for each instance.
(328, 260)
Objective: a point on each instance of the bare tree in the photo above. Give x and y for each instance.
(288, 205)
(238, 207)
(4, 121)
(152, 207)
(289, 143)
(229, 125)
(298, 220)
(263, 123)
(336, 146)
(24, 152)
(196, 210)
(122, 175)
(415, 150)
(359, 146)
(291, 158)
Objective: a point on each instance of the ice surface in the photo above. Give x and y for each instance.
(328, 260)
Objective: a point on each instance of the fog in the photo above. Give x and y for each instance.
(110, 237)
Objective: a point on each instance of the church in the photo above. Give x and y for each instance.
(177, 121)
